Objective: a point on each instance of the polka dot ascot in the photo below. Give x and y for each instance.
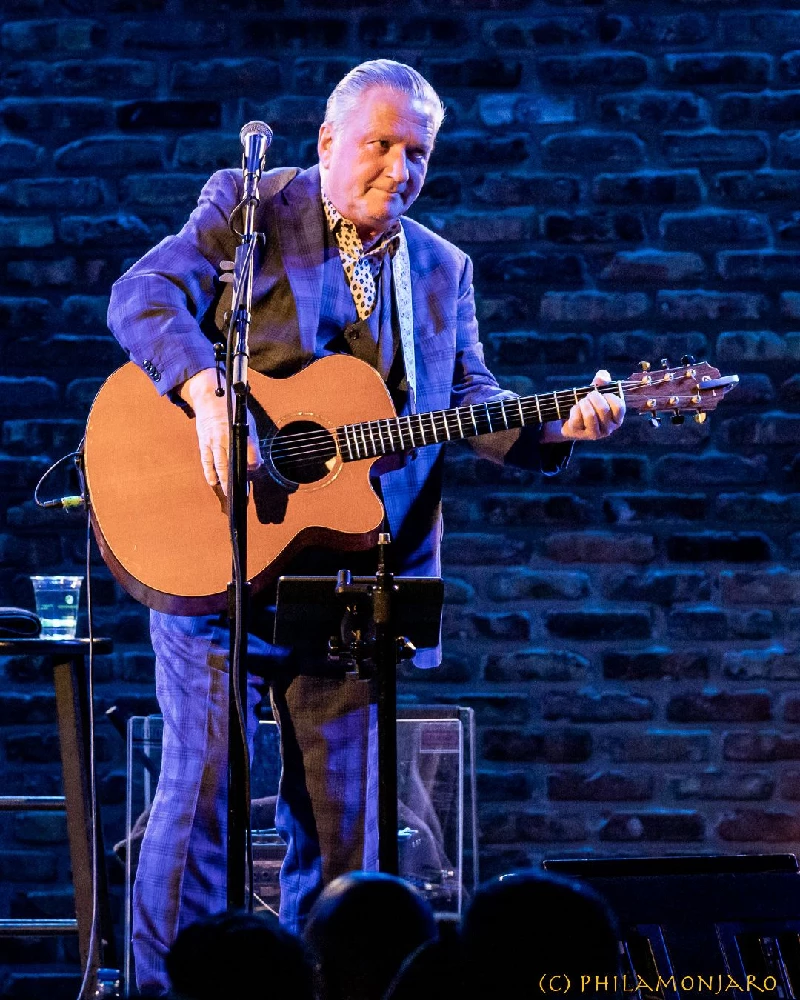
(360, 268)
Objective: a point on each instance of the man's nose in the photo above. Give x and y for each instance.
(398, 167)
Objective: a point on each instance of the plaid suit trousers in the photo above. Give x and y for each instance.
(327, 798)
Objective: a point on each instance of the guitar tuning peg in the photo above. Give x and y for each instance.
(677, 418)
(645, 366)
(227, 265)
(700, 418)
(665, 362)
(688, 359)
(655, 421)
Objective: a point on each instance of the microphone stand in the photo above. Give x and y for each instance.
(239, 588)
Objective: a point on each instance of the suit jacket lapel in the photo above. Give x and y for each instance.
(299, 221)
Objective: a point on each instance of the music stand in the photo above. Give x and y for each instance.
(366, 624)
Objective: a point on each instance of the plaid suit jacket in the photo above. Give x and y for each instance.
(167, 308)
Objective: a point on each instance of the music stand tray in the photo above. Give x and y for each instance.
(308, 611)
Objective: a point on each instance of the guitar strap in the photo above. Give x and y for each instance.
(401, 272)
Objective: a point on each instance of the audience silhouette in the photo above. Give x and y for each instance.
(239, 956)
(434, 970)
(530, 933)
(360, 931)
(372, 936)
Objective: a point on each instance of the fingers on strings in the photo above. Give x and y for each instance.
(598, 414)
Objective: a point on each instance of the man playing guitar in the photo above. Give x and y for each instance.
(341, 273)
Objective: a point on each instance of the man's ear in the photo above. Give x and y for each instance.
(324, 143)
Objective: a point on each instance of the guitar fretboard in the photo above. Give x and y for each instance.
(373, 438)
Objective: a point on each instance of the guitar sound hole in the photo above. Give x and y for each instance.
(303, 452)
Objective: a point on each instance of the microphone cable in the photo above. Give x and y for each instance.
(66, 502)
(69, 503)
(237, 624)
(92, 763)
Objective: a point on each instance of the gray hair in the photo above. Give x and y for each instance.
(381, 73)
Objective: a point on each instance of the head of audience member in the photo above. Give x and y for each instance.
(361, 929)
(241, 956)
(530, 928)
(434, 970)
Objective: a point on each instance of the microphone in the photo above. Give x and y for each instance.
(256, 137)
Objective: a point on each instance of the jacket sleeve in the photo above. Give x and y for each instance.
(474, 383)
(157, 306)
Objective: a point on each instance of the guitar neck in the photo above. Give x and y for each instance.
(373, 438)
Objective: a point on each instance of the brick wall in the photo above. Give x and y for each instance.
(626, 177)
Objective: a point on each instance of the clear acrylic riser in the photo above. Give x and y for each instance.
(437, 812)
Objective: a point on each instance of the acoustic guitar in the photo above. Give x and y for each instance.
(163, 531)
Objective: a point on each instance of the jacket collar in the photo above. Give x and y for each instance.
(301, 224)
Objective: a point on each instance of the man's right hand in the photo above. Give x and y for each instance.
(211, 422)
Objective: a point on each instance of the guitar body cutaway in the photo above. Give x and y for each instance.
(163, 531)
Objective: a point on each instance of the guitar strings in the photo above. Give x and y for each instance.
(316, 444)
(496, 404)
(439, 424)
(299, 449)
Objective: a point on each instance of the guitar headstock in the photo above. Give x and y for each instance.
(693, 389)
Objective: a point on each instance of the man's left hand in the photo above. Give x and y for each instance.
(591, 418)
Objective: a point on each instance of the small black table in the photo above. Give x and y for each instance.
(72, 711)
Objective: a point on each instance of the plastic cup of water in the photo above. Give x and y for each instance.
(57, 601)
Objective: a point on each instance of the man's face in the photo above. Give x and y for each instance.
(373, 164)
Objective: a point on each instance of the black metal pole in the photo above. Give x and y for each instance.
(239, 589)
(386, 672)
(238, 620)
